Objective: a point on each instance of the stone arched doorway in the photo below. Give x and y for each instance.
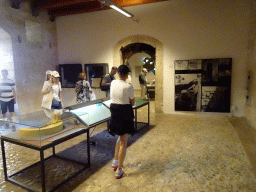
(6, 55)
(118, 60)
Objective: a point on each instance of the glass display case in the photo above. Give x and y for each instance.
(36, 128)
(37, 131)
(91, 115)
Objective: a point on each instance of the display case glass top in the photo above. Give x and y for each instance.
(92, 114)
(36, 127)
(107, 103)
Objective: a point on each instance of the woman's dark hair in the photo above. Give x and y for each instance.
(123, 70)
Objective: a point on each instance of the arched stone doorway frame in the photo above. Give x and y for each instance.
(17, 35)
(118, 60)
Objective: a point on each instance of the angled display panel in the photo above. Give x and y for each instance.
(107, 103)
(91, 115)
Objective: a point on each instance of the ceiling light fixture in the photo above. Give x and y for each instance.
(116, 7)
(127, 14)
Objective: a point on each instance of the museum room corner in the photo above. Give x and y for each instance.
(111, 95)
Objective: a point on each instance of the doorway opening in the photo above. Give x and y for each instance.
(6, 56)
(151, 43)
(138, 56)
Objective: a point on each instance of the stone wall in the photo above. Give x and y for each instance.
(250, 107)
(34, 51)
(186, 30)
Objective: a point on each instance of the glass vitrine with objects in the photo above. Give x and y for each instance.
(39, 132)
(34, 127)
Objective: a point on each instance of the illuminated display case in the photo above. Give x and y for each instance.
(36, 131)
(36, 127)
(92, 114)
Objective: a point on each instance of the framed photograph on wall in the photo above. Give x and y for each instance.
(208, 79)
(195, 64)
(181, 65)
(94, 73)
(210, 72)
(68, 74)
(188, 92)
(215, 99)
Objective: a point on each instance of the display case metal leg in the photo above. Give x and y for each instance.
(88, 147)
(53, 150)
(42, 170)
(136, 120)
(148, 113)
(4, 159)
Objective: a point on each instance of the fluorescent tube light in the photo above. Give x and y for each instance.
(121, 11)
(116, 7)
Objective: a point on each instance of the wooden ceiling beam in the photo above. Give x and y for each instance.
(48, 4)
(76, 9)
(70, 7)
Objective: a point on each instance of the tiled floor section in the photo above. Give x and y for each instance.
(247, 135)
(179, 153)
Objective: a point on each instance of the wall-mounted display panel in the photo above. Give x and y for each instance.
(203, 85)
(187, 92)
(69, 74)
(94, 72)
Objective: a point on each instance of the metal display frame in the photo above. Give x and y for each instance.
(41, 149)
(150, 88)
(62, 137)
(138, 104)
(136, 107)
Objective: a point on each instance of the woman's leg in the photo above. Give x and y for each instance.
(122, 150)
(117, 148)
(141, 91)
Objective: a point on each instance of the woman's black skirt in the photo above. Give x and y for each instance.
(121, 120)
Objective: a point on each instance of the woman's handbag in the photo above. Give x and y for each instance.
(56, 103)
(92, 96)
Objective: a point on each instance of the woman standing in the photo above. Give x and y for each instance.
(52, 95)
(121, 121)
(83, 89)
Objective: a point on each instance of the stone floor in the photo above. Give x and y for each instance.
(176, 153)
